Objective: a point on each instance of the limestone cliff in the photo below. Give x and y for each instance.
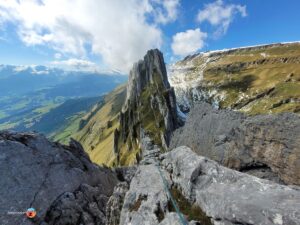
(267, 146)
(150, 107)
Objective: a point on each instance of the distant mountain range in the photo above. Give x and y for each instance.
(16, 80)
(27, 93)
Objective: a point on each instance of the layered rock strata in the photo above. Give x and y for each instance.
(267, 146)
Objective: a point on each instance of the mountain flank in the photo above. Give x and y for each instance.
(30, 95)
(254, 80)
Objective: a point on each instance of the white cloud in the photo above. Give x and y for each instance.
(168, 12)
(220, 15)
(78, 64)
(57, 55)
(118, 31)
(188, 42)
(3, 39)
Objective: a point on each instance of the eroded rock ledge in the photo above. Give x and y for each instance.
(267, 146)
(228, 196)
(206, 193)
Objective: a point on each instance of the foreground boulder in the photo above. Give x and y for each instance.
(204, 192)
(267, 146)
(228, 196)
(60, 182)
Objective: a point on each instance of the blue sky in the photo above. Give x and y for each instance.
(113, 34)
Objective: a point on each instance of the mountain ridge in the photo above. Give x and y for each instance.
(151, 181)
(258, 80)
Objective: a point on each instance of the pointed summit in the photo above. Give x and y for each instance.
(149, 108)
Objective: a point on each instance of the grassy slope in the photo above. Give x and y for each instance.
(96, 136)
(70, 127)
(241, 84)
(57, 118)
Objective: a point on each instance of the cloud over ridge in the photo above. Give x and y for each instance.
(118, 31)
(220, 15)
(188, 42)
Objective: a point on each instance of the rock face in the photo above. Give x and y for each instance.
(144, 198)
(150, 105)
(267, 146)
(116, 201)
(228, 196)
(205, 193)
(60, 182)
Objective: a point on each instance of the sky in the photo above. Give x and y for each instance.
(113, 34)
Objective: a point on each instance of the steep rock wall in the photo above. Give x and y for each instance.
(150, 107)
(265, 145)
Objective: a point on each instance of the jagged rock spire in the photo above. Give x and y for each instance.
(143, 74)
(150, 104)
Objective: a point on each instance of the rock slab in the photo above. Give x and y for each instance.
(267, 146)
(230, 197)
(59, 181)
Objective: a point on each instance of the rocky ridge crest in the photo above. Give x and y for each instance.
(150, 106)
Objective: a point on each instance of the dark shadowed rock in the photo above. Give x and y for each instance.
(60, 182)
(267, 146)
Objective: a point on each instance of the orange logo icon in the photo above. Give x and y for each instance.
(31, 213)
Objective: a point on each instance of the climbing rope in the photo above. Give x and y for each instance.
(165, 183)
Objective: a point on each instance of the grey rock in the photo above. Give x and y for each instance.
(115, 204)
(148, 200)
(125, 173)
(267, 146)
(150, 151)
(228, 196)
(173, 219)
(50, 177)
(145, 197)
(148, 76)
(142, 74)
(86, 206)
